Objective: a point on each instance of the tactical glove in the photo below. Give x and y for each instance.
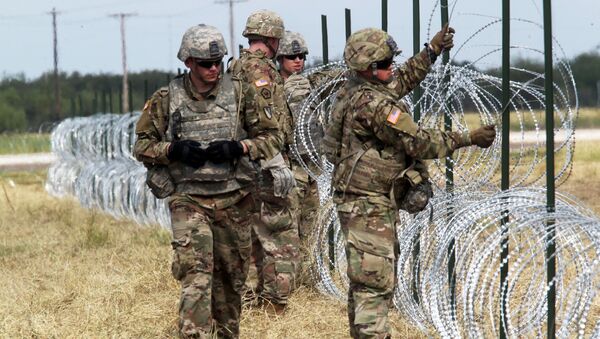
(224, 150)
(188, 152)
(442, 40)
(483, 136)
(283, 177)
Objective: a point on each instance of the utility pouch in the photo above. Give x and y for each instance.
(412, 190)
(160, 182)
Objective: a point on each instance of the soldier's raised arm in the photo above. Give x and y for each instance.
(416, 68)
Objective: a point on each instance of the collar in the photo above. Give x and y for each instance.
(193, 92)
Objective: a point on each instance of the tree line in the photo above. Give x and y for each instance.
(29, 105)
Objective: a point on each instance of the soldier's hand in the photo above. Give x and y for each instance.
(188, 152)
(442, 40)
(224, 150)
(483, 136)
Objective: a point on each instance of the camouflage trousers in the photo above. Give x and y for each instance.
(211, 255)
(368, 224)
(275, 247)
(305, 202)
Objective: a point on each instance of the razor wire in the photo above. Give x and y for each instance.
(96, 166)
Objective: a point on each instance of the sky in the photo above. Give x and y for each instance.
(89, 38)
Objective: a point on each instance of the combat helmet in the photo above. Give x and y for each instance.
(264, 23)
(292, 43)
(368, 45)
(202, 42)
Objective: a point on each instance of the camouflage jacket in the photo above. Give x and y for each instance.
(151, 146)
(372, 138)
(262, 97)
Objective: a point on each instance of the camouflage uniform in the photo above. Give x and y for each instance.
(211, 206)
(275, 241)
(370, 140)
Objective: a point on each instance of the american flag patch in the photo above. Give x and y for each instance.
(261, 82)
(393, 116)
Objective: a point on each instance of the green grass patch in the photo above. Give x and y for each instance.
(12, 143)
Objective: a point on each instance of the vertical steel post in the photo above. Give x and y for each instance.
(330, 234)
(449, 164)
(550, 204)
(384, 15)
(416, 49)
(348, 23)
(505, 181)
(416, 117)
(325, 41)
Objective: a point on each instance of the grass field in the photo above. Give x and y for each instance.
(68, 272)
(24, 143)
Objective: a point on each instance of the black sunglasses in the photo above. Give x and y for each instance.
(300, 56)
(208, 63)
(384, 64)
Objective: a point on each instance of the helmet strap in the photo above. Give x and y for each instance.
(374, 70)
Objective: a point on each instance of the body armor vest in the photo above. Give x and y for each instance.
(359, 167)
(206, 121)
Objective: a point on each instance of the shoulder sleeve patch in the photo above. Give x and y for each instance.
(393, 116)
(261, 82)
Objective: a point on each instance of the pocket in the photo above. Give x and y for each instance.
(183, 257)
(160, 182)
(276, 217)
(370, 270)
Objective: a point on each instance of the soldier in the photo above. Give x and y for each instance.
(275, 241)
(372, 140)
(291, 57)
(201, 148)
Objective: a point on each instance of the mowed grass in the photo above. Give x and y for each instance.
(68, 272)
(15, 143)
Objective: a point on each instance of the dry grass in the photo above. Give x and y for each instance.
(68, 272)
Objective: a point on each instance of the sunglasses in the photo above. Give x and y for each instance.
(208, 63)
(300, 56)
(384, 64)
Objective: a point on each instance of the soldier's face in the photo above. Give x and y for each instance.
(385, 75)
(206, 71)
(293, 63)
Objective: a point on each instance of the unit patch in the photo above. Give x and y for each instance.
(269, 112)
(265, 93)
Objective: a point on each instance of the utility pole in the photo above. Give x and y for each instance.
(231, 22)
(125, 96)
(56, 79)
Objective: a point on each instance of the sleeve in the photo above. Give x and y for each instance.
(411, 73)
(393, 126)
(150, 146)
(260, 116)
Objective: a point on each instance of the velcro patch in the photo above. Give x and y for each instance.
(261, 82)
(265, 93)
(393, 116)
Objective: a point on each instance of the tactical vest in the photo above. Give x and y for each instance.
(205, 121)
(359, 167)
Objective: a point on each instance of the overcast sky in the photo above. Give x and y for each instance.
(89, 40)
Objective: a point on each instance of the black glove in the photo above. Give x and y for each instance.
(224, 150)
(188, 152)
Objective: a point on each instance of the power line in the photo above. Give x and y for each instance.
(57, 109)
(125, 96)
(231, 23)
